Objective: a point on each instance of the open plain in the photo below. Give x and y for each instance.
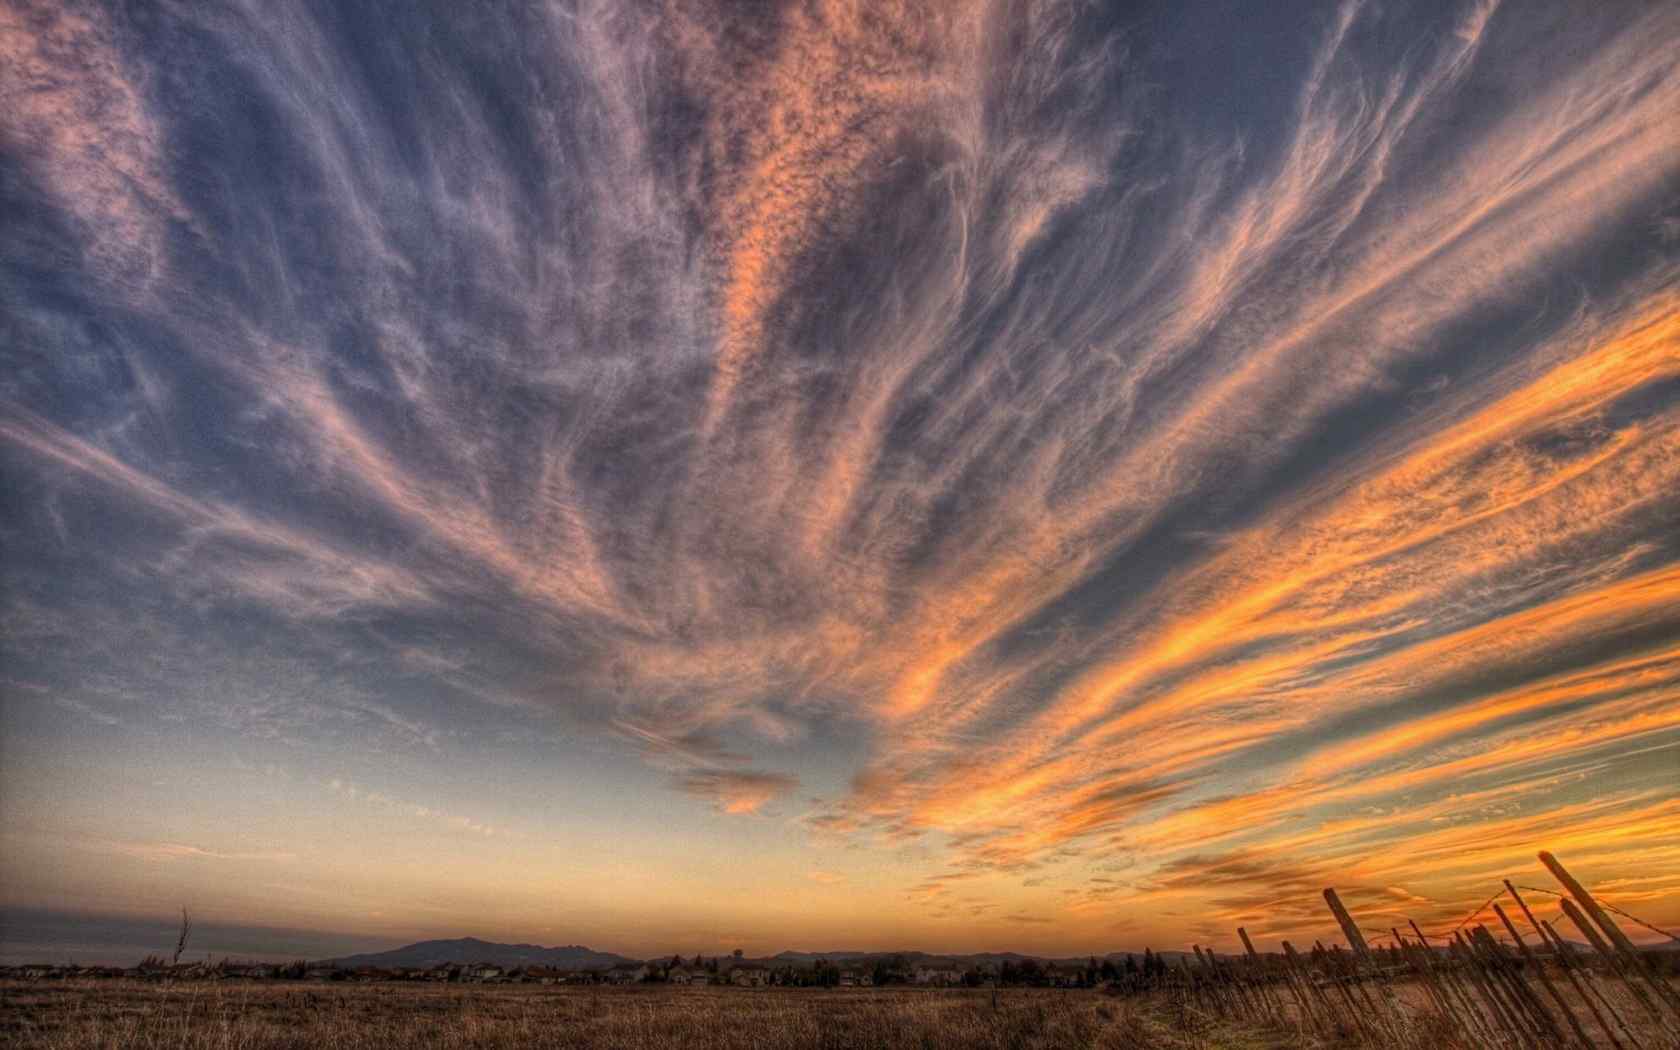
(61, 1015)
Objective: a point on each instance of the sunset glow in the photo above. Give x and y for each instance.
(685, 476)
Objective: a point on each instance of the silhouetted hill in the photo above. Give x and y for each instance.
(577, 957)
(473, 950)
(981, 959)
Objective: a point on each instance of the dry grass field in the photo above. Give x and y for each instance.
(269, 1017)
(261, 1016)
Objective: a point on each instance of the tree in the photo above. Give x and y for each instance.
(892, 970)
(181, 942)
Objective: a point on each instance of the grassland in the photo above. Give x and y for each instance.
(237, 1015)
(254, 1016)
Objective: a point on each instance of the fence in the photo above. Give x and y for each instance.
(1471, 985)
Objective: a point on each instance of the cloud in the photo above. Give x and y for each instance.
(963, 404)
(398, 807)
(169, 852)
(826, 878)
(75, 106)
(736, 791)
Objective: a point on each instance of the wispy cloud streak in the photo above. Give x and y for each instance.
(1124, 472)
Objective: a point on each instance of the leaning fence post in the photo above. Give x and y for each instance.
(1333, 970)
(1215, 995)
(1588, 986)
(1489, 1009)
(1638, 962)
(1450, 979)
(1355, 939)
(1533, 1009)
(1506, 1011)
(1274, 1002)
(1617, 964)
(1566, 962)
(1306, 1016)
(1311, 992)
(1425, 972)
(1545, 982)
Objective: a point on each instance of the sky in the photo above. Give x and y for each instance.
(680, 476)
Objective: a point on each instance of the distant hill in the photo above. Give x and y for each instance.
(915, 958)
(577, 957)
(473, 950)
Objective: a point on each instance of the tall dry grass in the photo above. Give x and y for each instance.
(232, 1016)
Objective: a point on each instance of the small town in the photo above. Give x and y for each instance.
(725, 971)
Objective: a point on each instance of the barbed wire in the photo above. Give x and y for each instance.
(1609, 907)
(1375, 934)
(1462, 922)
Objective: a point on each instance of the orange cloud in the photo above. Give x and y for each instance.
(737, 791)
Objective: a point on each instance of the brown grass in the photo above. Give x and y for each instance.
(237, 1015)
(261, 1016)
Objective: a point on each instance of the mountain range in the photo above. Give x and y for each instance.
(473, 950)
(577, 957)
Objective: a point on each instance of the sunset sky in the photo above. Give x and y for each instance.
(673, 475)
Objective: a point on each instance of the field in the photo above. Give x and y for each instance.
(260, 1017)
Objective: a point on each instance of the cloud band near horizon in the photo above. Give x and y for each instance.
(1102, 467)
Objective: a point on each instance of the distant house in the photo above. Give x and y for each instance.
(625, 973)
(749, 975)
(688, 975)
(856, 979)
(938, 975)
(484, 973)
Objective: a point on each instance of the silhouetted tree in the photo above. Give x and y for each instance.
(181, 942)
(892, 970)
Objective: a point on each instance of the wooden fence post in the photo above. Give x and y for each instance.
(1618, 966)
(1507, 1013)
(1636, 961)
(1527, 1002)
(1584, 986)
(1426, 976)
(1310, 992)
(1257, 967)
(1350, 930)
(1566, 963)
(1545, 982)
(1450, 978)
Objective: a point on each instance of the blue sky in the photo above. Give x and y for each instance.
(1034, 474)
